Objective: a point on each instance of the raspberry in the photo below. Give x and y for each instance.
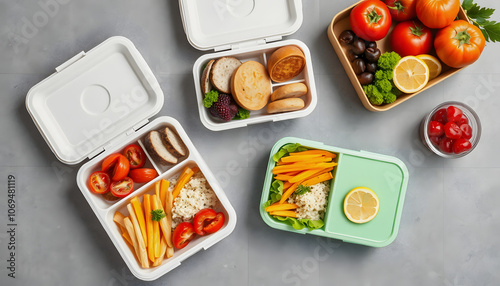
(225, 108)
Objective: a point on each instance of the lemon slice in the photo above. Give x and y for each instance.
(361, 205)
(433, 64)
(411, 74)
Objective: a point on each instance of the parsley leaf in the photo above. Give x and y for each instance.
(302, 190)
(480, 17)
(157, 215)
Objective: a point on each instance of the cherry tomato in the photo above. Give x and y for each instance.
(122, 188)
(462, 120)
(435, 129)
(411, 38)
(143, 175)
(402, 10)
(183, 234)
(459, 44)
(99, 182)
(452, 131)
(440, 116)
(466, 131)
(370, 20)
(461, 145)
(446, 144)
(437, 14)
(208, 221)
(135, 156)
(453, 113)
(117, 165)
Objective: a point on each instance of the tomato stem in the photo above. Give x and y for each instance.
(417, 30)
(398, 6)
(373, 17)
(463, 37)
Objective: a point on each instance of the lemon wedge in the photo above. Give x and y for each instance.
(433, 64)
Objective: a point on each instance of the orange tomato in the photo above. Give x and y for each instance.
(437, 14)
(459, 44)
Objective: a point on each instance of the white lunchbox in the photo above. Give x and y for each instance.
(96, 104)
(247, 30)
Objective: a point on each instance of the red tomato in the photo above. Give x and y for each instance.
(435, 129)
(437, 14)
(462, 120)
(143, 175)
(461, 145)
(99, 182)
(117, 165)
(459, 44)
(402, 10)
(452, 131)
(466, 131)
(208, 221)
(411, 38)
(440, 116)
(122, 188)
(453, 113)
(370, 20)
(183, 234)
(445, 144)
(135, 156)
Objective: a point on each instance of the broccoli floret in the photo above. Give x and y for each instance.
(384, 85)
(383, 74)
(388, 61)
(373, 94)
(211, 97)
(242, 113)
(389, 97)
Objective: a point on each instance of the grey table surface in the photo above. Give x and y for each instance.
(450, 221)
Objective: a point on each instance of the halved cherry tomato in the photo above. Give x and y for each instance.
(135, 156)
(99, 182)
(122, 188)
(183, 234)
(208, 221)
(370, 20)
(142, 175)
(117, 165)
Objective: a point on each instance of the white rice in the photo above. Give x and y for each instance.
(312, 205)
(193, 197)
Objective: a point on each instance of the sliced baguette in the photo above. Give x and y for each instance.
(173, 142)
(297, 89)
(206, 86)
(157, 148)
(285, 105)
(221, 72)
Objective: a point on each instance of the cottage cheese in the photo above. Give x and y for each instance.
(312, 205)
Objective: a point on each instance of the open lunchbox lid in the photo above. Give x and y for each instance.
(224, 24)
(94, 100)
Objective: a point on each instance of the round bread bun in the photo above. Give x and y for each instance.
(286, 63)
(206, 86)
(284, 105)
(221, 72)
(251, 85)
(297, 89)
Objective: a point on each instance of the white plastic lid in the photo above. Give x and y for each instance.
(216, 24)
(93, 98)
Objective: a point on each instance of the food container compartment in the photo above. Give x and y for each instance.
(105, 210)
(387, 176)
(260, 54)
(340, 23)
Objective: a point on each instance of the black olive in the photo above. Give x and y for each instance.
(372, 55)
(351, 56)
(369, 44)
(346, 37)
(358, 46)
(358, 65)
(371, 67)
(365, 78)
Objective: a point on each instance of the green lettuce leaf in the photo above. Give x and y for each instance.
(288, 148)
(299, 224)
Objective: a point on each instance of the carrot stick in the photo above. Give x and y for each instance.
(310, 175)
(195, 169)
(300, 158)
(318, 179)
(139, 213)
(322, 159)
(118, 218)
(143, 254)
(166, 228)
(125, 234)
(301, 167)
(281, 207)
(183, 179)
(282, 177)
(156, 228)
(131, 232)
(168, 212)
(287, 185)
(284, 213)
(315, 151)
(170, 252)
(163, 249)
(149, 226)
(289, 192)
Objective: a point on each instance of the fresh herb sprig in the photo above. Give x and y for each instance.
(480, 17)
(157, 215)
(302, 190)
